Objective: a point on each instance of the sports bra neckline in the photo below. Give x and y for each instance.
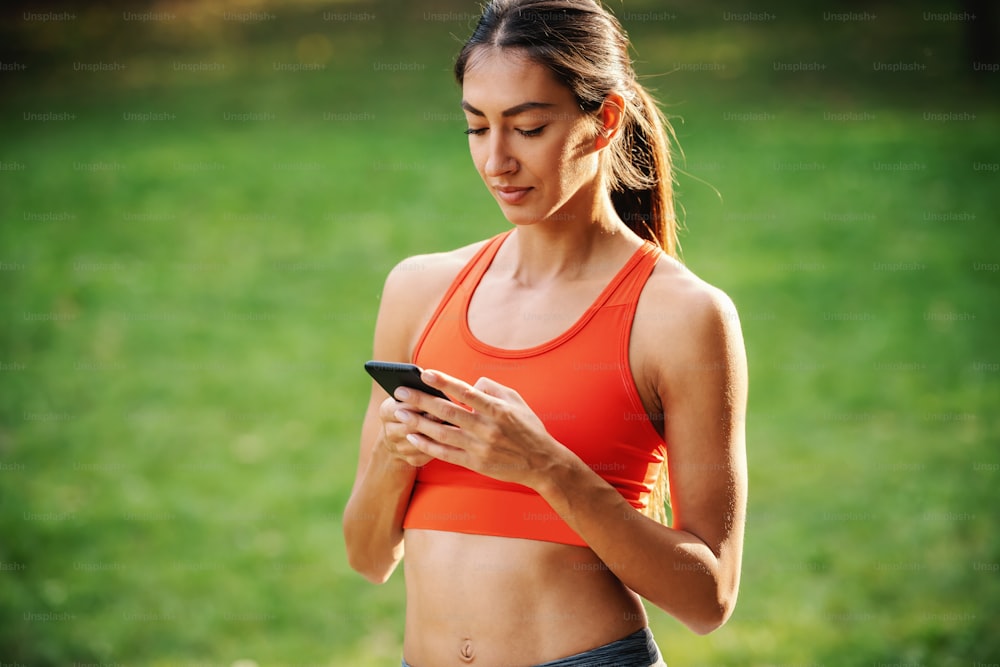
(481, 264)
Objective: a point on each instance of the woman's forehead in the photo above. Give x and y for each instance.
(500, 79)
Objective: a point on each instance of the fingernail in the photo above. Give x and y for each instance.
(401, 394)
(402, 415)
(430, 376)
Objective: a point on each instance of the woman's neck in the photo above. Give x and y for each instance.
(569, 247)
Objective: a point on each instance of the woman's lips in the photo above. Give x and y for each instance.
(512, 195)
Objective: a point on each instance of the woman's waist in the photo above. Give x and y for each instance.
(555, 599)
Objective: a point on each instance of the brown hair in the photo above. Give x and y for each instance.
(587, 50)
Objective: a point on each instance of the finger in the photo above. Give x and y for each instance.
(441, 409)
(461, 391)
(493, 388)
(412, 399)
(404, 416)
(394, 436)
(409, 453)
(389, 406)
(386, 408)
(433, 428)
(436, 449)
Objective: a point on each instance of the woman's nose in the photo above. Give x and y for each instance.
(499, 161)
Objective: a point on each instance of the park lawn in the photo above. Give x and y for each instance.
(190, 302)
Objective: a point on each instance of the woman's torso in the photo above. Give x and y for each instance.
(488, 600)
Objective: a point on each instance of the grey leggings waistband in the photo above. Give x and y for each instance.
(637, 650)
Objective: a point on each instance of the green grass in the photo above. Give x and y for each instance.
(181, 384)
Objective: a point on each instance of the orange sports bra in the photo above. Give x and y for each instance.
(580, 386)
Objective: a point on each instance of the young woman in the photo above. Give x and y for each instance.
(584, 363)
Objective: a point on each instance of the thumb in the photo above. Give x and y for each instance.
(497, 390)
(490, 387)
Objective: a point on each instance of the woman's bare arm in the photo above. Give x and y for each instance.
(691, 569)
(373, 517)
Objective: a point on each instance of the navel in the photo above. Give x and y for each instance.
(466, 652)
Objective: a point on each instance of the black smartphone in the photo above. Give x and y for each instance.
(391, 375)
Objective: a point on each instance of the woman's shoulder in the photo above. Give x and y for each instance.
(432, 271)
(680, 306)
(686, 334)
(672, 284)
(411, 292)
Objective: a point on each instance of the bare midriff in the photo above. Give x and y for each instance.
(486, 600)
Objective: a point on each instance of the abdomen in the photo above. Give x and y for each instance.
(508, 601)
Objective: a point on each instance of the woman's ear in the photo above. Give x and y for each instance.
(611, 114)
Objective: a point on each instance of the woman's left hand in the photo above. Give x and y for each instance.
(497, 435)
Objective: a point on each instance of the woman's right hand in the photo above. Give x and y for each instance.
(394, 432)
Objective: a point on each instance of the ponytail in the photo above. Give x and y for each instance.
(639, 172)
(640, 175)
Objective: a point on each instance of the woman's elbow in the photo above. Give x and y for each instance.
(369, 570)
(371, 567)
(712, 615)
(363, 558)
(706, 624)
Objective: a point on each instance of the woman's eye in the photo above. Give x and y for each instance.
(477, 131)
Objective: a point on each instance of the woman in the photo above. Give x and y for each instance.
(584, 362)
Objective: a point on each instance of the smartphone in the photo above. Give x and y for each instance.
(391, 375)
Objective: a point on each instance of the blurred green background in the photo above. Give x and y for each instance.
(199, 203)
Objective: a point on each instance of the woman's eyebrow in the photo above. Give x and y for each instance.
(513, 111)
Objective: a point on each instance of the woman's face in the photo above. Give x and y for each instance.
(532, 145)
